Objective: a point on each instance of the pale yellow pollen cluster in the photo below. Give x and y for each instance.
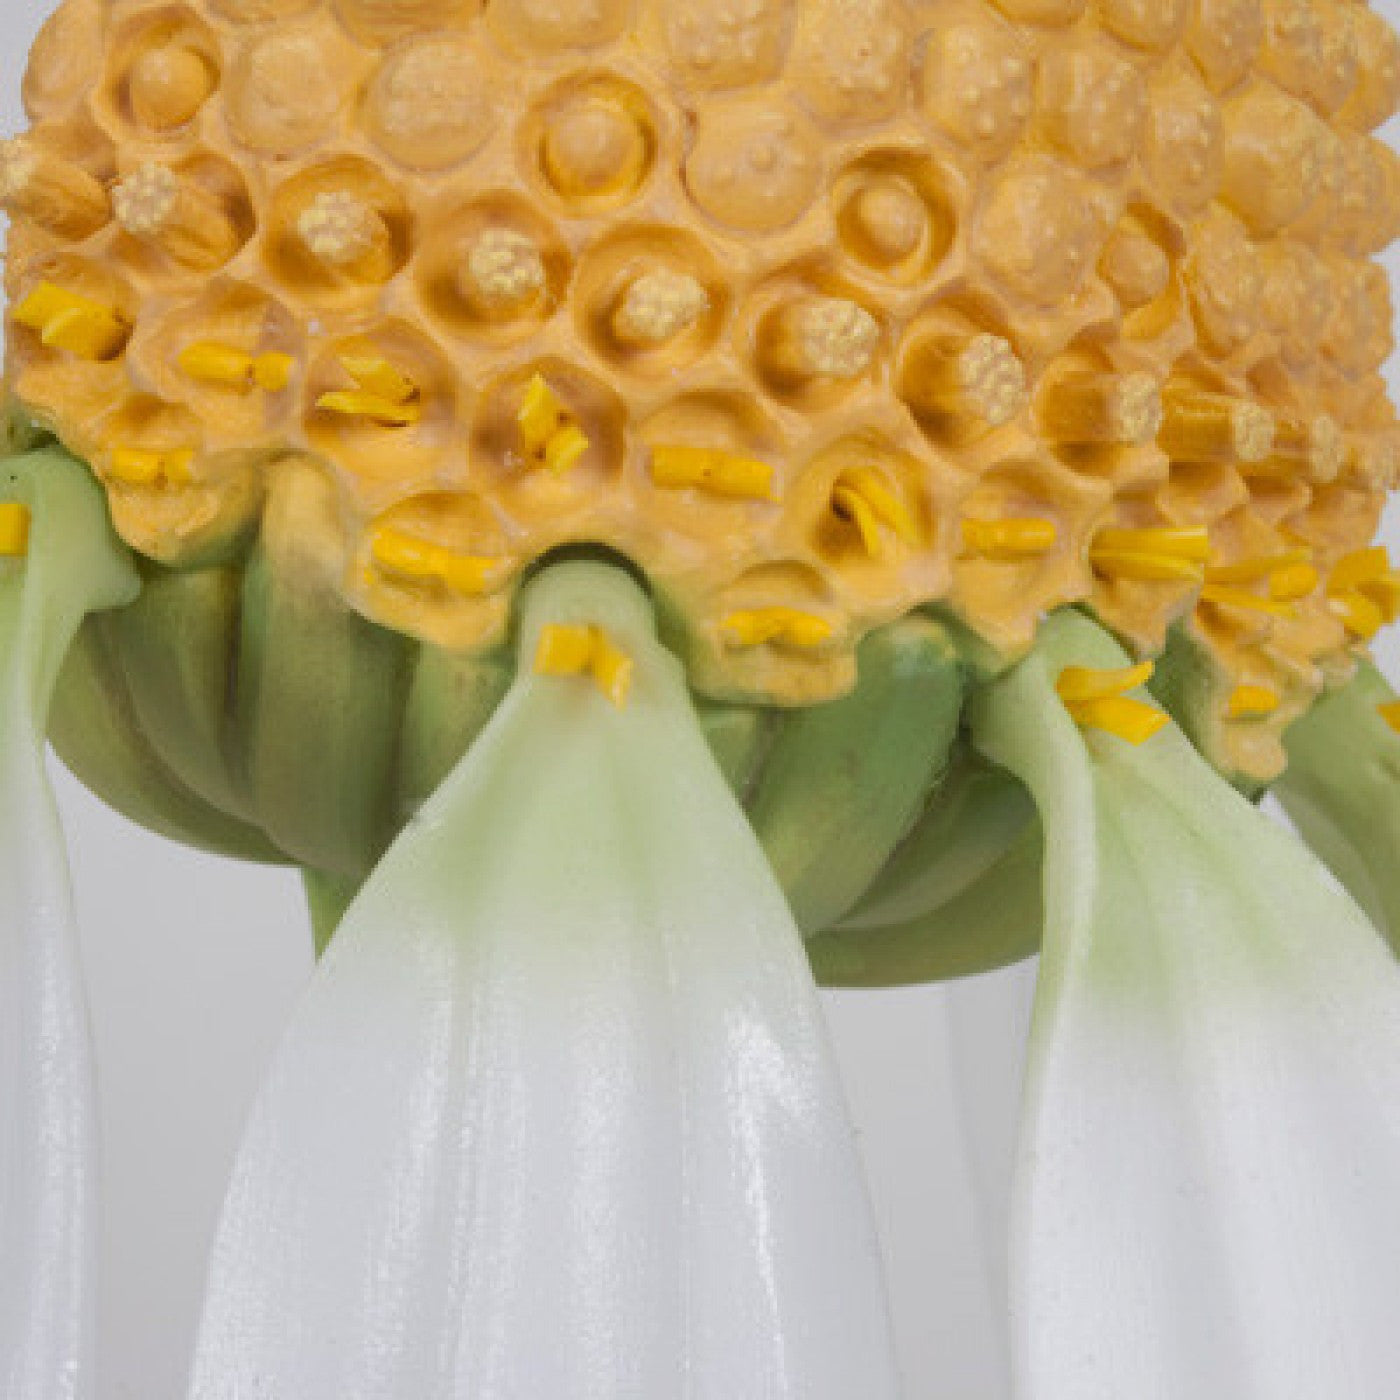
(816, 311)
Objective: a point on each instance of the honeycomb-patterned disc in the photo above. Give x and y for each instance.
(818, 311)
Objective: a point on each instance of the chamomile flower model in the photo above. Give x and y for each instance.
(644, 501)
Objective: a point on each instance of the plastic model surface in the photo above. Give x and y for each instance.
(643, 502)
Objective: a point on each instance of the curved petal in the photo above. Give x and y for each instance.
(48, 1157)
(558, 1115)
(1206, 1200)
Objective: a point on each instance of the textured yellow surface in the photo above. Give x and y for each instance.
(817, 311)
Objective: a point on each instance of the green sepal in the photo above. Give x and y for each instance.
(327, 899)
(1342, 791)
(843, 782)
(316, 718)
(738, 736)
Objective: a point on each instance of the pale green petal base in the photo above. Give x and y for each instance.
(1207, 1202)
(48, 1153)
(557, 1117)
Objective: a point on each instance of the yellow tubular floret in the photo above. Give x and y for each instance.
(14, 530)
(866, 498)
(70, 321)
(138, 466)
(1009, 540)
(1390, 713)
(708, 469)
(1099, 700)
(384, 393)
(411, 558)
(1253, 702)
(1364, 591)
(1361, 617)
(787, 626)
(576, 649)
(547, 431)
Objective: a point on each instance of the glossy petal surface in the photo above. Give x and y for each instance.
(558, 1115)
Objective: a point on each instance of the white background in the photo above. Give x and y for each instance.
(194, 963)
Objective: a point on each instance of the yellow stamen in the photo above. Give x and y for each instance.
(1385, 594)
(566, 449)
(541, 414)
(1390, 713)
(1132, 720)
(785, 626)
(213, 363)
(14, 530)
(1263, 566)
(421, 561)
(866, 498)
(1224, 595)
(380, 377)
(1150, 555)
(723, 473)
(138, 466)
(1253, 702)
(1145, 568)
(1077, 684)
(355, 403)
(576, 649)
(1006, 541)
(1362, 617)
(70, 321)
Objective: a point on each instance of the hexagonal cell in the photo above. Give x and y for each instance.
(285, 86)
(437, 566)
(854, 57)
(1138, 266)
(960, 375)
(1153, 25)
(1224, 281)
(1026, 528)
(49, 187)
(774, 632)
(879, 517)
(975, 83)
(163, 67)
(234, 356)
(177, 217)
(168, 499)
(71, 309)
(430, 106)
(650, 298)
(590, 142)
(717, 44)
(1223, 38)
(895, 215)
(493, 267)
(1092, 102)
(717, 466)
(815, 338)
(383, 407)
(66, 58)
(755, 165)
(337, 231)
(549, 442)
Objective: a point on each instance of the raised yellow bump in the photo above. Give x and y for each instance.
(708, 469)
(1077, 684)
(396, 552)
(72, 322)
(786, 626)
(576, 649)
(1010, 540)
(213, 363)
(1228, 596)
(154, 469)
(1390, 713)
(1253, 702)
(14, 530)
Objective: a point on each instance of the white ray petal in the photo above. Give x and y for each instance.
(558, 1115)
(48, 1154)
(1207, 1201)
